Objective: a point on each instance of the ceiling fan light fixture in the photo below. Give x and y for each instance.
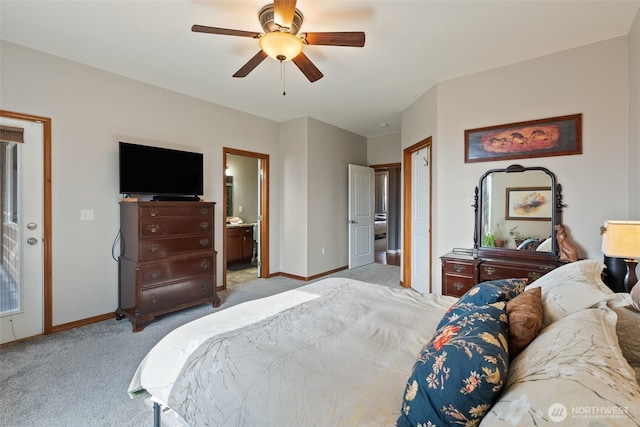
(281, 45)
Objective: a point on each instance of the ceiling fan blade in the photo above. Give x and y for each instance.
(224, 31)
(307, 67)
(249, 66)
(283, 11)
(349, 38)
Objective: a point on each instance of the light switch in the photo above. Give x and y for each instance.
(86, 215)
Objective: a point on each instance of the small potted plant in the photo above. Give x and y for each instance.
(489, 239)
(499, 240)
(516, 236)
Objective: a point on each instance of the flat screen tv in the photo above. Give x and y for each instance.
(162, 172)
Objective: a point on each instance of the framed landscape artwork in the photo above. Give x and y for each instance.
(556, 136)
(529, 203)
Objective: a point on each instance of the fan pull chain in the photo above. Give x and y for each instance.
(282, 77)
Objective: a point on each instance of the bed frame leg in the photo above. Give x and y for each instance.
(156, 414)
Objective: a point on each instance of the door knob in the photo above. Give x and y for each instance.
(352, 221)
(32, 241)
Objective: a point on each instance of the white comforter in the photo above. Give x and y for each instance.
(339, 352)
(336, 352)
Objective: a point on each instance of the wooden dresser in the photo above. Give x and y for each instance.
(527, 201)
(461, 272)
(167, 260)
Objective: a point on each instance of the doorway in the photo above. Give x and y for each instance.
(25, 198)
(417, 213)
(387, 213)
(246, 208)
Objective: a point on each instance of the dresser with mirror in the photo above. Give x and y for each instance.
(517, 210)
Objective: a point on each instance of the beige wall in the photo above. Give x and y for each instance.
(634, 119)
(592, 80)
(331, 150)
(315, 159)
(294, 146)
(384, 149)
(91, 111)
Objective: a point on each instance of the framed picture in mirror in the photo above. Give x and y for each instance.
(529, 203)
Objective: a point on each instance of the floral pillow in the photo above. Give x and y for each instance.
(482, 294)
(460, 372)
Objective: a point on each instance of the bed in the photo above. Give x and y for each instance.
(340, 352)
(380, 225)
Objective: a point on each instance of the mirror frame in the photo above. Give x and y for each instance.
(556, 218)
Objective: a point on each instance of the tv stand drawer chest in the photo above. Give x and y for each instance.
(167, 259)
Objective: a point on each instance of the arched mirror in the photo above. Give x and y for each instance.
(517, 209)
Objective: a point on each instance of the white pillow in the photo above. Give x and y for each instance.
(545, 246)
(635, 296)
(573, 370)
(570, 288)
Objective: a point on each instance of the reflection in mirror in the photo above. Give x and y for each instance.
(516, 210)
(382, 177)
(229, 195)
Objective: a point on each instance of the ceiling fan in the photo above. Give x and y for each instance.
(281, 22)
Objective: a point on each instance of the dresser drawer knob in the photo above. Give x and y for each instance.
(155, 299)
(153, 228)
(204, 211)
(204, 225)
(153, 212)
(459, 268)
(204, 287)
(204, 242)
(154, 274)
(459, 286)
(490, 270)
(205, 264)
(153, 248)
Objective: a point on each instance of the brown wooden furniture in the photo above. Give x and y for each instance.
(461, 272)
(167, 259)
(239, 243)
(494, 214)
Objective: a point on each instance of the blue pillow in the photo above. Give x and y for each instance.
(482, 294)
(459, 374)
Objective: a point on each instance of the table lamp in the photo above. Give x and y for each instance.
(621, 239)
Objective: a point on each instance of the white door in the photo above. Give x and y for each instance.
(420, 215)
(361, 215)
(258, 228)
(21, 295)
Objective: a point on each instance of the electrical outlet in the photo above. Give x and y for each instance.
(86, 215)
(323, 250)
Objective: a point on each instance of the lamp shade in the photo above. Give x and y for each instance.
(281, 45)
(621, 239)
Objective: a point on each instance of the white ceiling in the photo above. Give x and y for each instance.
(410, 46)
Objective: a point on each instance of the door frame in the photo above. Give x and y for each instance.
(407, 216)
(264, 208)
(47, 224)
